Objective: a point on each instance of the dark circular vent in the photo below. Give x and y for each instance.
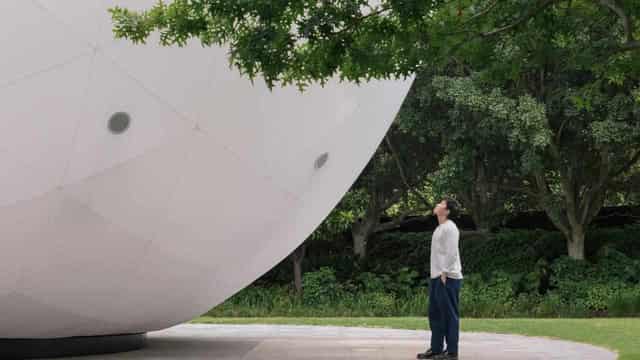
(119, 122)
(321, 160)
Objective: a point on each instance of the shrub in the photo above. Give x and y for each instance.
(582, 284)
(512, 251)
(550, 306)
(377, 303)
(257, 301)
(615, 266)
(625, 302)
(623, 238)
(492, 297)
(415, 304)
(598, 296)
(370, 282)
(532, 282)
(525, 304)
(391, 251)
(572, 278)
(512, 273)
(400, 283)
(403, 282)
(320, 286)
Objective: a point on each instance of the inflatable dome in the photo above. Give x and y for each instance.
(142, 185)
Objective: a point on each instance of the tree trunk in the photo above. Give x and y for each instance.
(360, 231)
(567, 221)
(481, 208)
(297, 256)
(476, 211)
(363, 227)
(360, 245)
(575, 243)
(483, 224)
(480, 197)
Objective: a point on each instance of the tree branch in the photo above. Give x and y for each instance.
(483, 12)
(595, 206)
(466, 68)
(527, 16)
(559, 133)
(629, 46)
(520, 188)
(628, 165)
(594, 195)
(627, 23)
(398, 221)
(392, 200)
(531, 13)
(360, 19)
(614, 6)
(403, 175)
(559, 221)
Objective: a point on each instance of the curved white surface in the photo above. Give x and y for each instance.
(212, 184)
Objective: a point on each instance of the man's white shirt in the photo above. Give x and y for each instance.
(445, 254)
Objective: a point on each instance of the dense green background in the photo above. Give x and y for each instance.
(512, 273)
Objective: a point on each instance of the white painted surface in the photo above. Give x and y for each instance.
(212, 184)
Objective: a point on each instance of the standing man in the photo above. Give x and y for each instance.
(446, 280)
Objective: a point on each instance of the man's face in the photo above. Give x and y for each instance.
(441, 209)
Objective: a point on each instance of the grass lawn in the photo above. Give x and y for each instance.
(621, 335)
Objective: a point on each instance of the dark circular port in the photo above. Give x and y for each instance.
(119, 122)
(321, 160)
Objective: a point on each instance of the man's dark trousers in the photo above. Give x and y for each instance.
(444, 316)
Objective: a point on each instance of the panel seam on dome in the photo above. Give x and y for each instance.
(50, 13)
(48, 69)
(184, 117)
(74, 138)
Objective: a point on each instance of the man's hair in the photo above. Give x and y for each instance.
(453, 206)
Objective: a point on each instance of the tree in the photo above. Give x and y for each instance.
(571, 152)
(477, 165)
(561, 76)
(625, 190)
(395, 173)
(303, 41)
(297, 256)
(339, 220)
(292, 41)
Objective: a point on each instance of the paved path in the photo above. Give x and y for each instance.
(282, 342)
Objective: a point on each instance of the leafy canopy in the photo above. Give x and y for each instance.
(303, 41)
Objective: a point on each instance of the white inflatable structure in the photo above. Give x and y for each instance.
(142, 185)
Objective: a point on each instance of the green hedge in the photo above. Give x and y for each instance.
(494, 296)
(479, 301)
(511, 251)
(509, 274)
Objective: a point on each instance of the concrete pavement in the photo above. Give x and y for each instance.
(281, 342)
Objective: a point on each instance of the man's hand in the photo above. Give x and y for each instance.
(443, 278)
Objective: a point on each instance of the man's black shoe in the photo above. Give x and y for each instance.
(428, 355)
(446, 356)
